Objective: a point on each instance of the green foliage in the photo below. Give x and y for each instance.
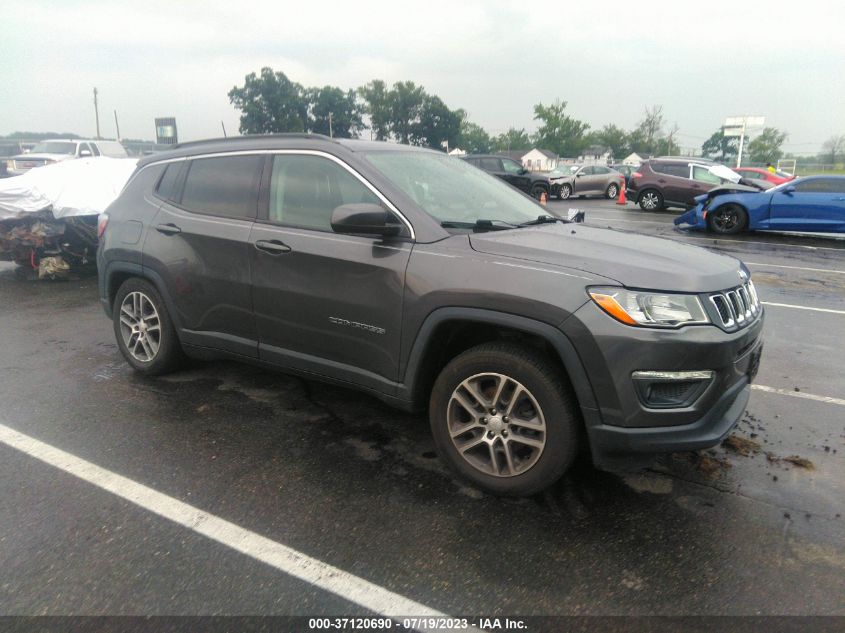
(377, 107)
(721, 148)
(437, 124)
(511, 140)
(344, 110)
(40, 136)
(473, 139)
(833, 149)
(613, 137)
(644, 139)
(765, 148)
(270, 103)
(406, 101)
(558, 131)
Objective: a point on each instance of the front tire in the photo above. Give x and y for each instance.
(143, 329)
(565, 192)
(728, 219)
(505, 419)
(538, 190)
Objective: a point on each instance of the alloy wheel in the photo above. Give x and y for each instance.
(650, 200)
(140, 326)
(496, 424)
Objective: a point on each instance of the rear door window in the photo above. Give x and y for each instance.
(490, 164)
(168, 184)
(224, 186)
(305, 191)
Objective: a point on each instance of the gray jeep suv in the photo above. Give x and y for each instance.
(429, 283)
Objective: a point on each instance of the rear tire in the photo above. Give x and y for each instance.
(729, 219)
(612, 191)
(144, 330)
(651, 200)
(505, 419)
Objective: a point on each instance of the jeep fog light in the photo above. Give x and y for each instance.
(650, 309)
(670, 389)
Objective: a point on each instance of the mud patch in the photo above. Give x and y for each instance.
(709, 465)
(800, 462)
(365, 450)
(648, 482)
(741, 445)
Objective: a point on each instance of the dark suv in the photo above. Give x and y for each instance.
(417, 278)
(674, 182)
(512, 173)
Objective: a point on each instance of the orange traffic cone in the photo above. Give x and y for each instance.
(621, 199)
(543, 198)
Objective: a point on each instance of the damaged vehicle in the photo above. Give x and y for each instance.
(57, 150)
(813, 203)
(430, 284)
(48, 216)
(659, 183)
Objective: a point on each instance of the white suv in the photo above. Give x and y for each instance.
(55, 150)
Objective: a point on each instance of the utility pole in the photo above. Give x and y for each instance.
(224, 129)
(331, 134)
(116, 125)
(97, 113)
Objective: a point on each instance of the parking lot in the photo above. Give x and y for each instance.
(755, 527)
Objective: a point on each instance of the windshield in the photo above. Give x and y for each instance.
(563, 170)
(54, 147)
(451, 190)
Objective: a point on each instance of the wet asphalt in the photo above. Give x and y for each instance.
(344, 478)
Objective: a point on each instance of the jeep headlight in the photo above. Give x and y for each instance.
(650, 309)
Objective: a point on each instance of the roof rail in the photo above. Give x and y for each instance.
(206, 141)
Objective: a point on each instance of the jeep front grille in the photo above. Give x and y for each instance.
(738, 306)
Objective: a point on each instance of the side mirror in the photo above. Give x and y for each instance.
(364, 219)
(523, 171)
(84, 153)
(579, 175)
(789, 190)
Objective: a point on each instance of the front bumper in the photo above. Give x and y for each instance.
(627, 433)
(694, 218)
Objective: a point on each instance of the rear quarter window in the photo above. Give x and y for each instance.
(224, 186)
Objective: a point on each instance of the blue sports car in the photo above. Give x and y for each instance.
(813, 203)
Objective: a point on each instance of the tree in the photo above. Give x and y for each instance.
(765, 148)
(344, 110)
(377, 106)
(270, 103)
(833, 149)
(644, 138)
(511, 140)
(474, 139)
(559, 132)
(721, 148)
(614, 138)
(667, 145)
(437, 124)
(406, 101)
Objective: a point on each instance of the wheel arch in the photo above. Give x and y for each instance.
(118, 272)
(447, 332)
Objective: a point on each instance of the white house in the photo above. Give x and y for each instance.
(539, 160)
(633, 159)
(596, 155)
(457, 152)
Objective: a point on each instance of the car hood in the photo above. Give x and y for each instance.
(725, 190)
(634, 261)
(53, 157)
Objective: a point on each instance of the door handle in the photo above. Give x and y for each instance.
(273, 247)
(168, 229)
(661, 180)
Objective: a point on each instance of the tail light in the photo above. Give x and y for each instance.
(102, 223)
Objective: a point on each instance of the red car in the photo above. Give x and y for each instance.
(764, 174)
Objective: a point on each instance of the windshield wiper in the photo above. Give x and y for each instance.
(479, 225)
(543, 219)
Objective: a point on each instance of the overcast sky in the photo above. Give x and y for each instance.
(702, 60)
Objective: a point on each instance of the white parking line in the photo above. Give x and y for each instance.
(814, 270)
(799, 394)
(789, 305)
(285, 559)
